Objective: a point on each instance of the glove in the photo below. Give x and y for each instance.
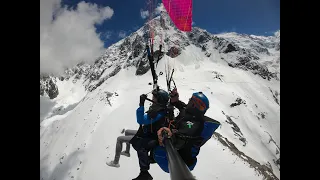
(174, 96)
(159, 133)
(142, 99)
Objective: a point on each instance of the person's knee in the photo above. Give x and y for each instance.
(129, 132)
(142, 150)
(120, 139)
(152, 144)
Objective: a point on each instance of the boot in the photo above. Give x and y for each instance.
(144, 175)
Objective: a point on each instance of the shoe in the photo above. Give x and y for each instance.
(112, 164)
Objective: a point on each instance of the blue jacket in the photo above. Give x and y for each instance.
(150, 122)
(145, 119)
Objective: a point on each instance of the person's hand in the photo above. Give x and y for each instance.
(142, 99)
(160, 138)
(174, 95)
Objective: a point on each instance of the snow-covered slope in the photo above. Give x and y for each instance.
(240, 74)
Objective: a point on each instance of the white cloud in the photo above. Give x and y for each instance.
(71, 37)
(144, 14)
(159, 8)
(122, 34)
(107, 35)
(193, 23)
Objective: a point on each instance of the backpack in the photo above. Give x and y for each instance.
(210, 126)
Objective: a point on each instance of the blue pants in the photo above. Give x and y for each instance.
(160, 156)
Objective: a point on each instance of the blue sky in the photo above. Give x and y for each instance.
(258, 17)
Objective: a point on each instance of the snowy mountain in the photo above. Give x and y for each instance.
(83, 111)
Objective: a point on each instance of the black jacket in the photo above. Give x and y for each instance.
(146, 136)
(187, 128)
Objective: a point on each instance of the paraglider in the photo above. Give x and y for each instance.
(180, 12)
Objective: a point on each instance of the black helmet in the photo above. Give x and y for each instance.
(161, 95)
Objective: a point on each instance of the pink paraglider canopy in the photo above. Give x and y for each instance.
(180, 12)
